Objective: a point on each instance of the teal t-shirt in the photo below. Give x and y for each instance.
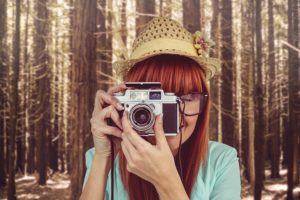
(220, 180)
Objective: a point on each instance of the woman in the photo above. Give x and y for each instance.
(185, 166)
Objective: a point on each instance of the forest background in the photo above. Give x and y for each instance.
(55, 55)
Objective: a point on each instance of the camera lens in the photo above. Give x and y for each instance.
(141, 117)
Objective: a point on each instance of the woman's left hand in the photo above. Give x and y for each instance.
(156, 163)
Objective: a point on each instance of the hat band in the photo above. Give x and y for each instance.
(162, 44)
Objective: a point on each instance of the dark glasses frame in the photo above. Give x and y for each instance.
(203, 100)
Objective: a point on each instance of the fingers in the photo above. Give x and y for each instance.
(104, 98)
(117, 88)
(159, 131)
(111, 112)
(107, 130)
(137, 141)
(130, 148)
(98, 123)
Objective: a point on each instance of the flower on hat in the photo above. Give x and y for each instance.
(202, 43)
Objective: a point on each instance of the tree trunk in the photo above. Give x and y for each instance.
(248, 109)
(69, 128)
(11, 193)
(293, 62)
(214, 131)
(31, 107)
(285, 119)
(191, 15)
(259, 100)
(296, 109)
(43, 86)
(31, 149)
(26, 129)
(30, 110)
(83, 81)
(228, 126)
(3, 74)
(145, 12)
(102, 55)
(20, 142)
(54, 136)
(273, 99)
(124, 22)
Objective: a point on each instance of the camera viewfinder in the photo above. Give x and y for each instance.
(155, 95)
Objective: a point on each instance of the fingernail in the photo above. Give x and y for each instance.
(161, 118)
(120, 106)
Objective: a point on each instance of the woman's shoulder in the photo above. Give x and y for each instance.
(216, 149)
(220, 155)
(221, 160)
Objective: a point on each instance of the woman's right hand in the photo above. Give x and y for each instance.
(106, 106)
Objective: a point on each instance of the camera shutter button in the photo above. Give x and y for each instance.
(169, 93)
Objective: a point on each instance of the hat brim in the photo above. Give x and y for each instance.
(210, 65)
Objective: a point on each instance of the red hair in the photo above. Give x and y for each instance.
(180, 75)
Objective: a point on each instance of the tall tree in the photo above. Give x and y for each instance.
(83, 84)
(227, 74)
(102, 51)
(273, 98)
(215, 81)
(248, 110)
(30, 107)
(54, 136)
(293, 76)
(145, 12)
(3, 73)
(124, 22)
(30, 110)
(191, 10)
(11, 193)
(259, 100)
(41, 59)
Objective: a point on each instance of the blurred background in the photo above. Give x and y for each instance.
(54, 56)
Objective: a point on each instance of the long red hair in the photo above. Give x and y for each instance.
(180, 75)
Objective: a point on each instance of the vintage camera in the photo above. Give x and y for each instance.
(144, 101)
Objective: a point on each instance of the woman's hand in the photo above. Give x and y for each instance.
(105, 107)
(152, 163)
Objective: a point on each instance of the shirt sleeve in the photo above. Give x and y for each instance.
(88, 163)
(228, 183)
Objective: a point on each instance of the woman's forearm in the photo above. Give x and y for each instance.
(171, 189)
(96, 183)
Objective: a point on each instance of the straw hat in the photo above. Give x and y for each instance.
(163, 35)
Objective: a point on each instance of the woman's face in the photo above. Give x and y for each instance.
(188, 125)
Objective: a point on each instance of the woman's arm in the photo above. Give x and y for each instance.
(171, 188)
(96, 183)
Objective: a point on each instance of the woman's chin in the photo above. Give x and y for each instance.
(173, 142)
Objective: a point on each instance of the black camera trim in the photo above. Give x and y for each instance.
(144, 85)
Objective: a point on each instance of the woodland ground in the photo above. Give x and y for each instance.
(58, 188)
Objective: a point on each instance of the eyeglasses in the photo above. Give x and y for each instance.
(193, 103)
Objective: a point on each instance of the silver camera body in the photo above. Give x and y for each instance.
(144, 101)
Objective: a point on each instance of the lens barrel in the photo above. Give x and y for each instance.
(141, 117)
